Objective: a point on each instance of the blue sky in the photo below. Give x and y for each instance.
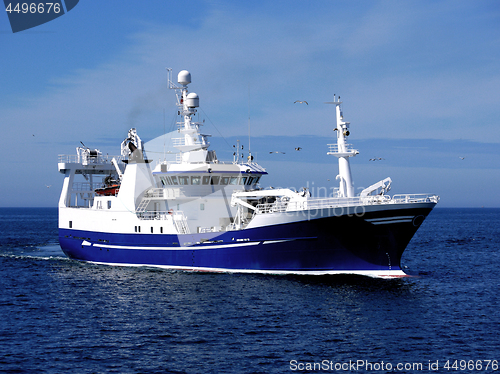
(420, 82)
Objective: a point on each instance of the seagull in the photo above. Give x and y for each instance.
(461, 158)
(298, 148)
(300, 102)
(277, 152)
(376, 159)
(48, 186)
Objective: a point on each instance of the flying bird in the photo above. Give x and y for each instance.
(277, 152)
(461, 158)
(298, 148)
(48, 186)
(376, 159)
(300, 102)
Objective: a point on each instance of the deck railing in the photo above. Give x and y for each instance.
(415, 198)
(85, 186)
(182, 141)
(72, 159)
(334, 148)
(178, 217)
(163, 193)
(322, 203)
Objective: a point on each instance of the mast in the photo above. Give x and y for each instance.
(342, 151)
(193, 145)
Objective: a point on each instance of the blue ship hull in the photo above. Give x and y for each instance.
(373, 242)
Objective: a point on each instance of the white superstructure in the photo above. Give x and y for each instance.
(190, 194)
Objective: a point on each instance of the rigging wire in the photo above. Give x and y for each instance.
(222, 136)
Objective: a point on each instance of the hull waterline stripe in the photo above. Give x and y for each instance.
(369, 273)
(277, 241)
(202, 246)
(393, 221)
(175, 248)
(388, 220)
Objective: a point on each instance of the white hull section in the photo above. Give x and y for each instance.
(385, 274)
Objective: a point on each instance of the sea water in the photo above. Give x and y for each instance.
(58, 315)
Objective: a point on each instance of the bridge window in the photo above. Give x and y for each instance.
(166, 180)
(224, 180)
(250, 181)
(243, 180)
(215, 180)
(233, 181)
(174, 180)
(195, 180)
(206, 179)
(183, 180)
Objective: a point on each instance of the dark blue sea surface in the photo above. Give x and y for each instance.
(59, 315)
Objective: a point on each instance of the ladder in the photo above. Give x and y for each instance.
(180, 223)
(142, 205)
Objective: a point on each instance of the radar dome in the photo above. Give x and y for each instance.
(184, 77)
(192, 100)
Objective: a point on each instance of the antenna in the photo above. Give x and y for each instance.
(238, 150)
(169, 77)
(249, 149)
(164, 133)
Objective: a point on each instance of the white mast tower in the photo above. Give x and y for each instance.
(193, 145)
(342, 151)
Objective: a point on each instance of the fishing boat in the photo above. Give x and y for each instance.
(194, 212)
